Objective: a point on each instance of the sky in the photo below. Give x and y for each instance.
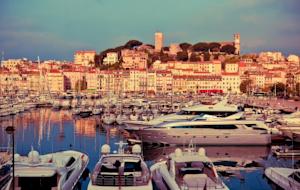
(54, 29)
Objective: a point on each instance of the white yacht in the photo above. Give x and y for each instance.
(286, 178)
(208, 132)
(221, 109)
(292, 120)
(120, 170)
(60, 170)
(187, 170)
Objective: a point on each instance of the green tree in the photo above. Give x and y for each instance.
(166, 48)
(278, 89)
(132, 43)
(200, 47)
(81, 84)
(194, 57)
(297, 89)
(182, 56)
(206, 56)
(185, 46)
(214, 46)
(245, 86)
(229, 49)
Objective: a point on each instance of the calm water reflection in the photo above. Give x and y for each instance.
(50, 131)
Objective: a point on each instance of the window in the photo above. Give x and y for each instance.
(206, 127)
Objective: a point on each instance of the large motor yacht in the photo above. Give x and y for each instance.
(120, 170)
(60, 170)
(291, 120)
(187, 170)
(221, 109)
(209, 132)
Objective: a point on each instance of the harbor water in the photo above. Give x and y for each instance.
(48, 131)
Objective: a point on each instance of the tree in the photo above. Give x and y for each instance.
(81, 84)
(97, 60)
(201, 46)
(229, 49)
(194, 57)
(150, 45)
(278, 89)
(166, 48)
(132, 43)
(297, 89)
(245, 86)
(154, 57)
(182, 56)
(206, 56)
(164, 57)
(185, 46)
(214, 46)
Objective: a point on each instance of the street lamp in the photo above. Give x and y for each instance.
(10, 130)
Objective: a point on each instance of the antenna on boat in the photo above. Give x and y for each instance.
(121, 149)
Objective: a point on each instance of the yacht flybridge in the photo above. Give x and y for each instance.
(60, 170)
(187, 169)
(209, 132)
(120, 170)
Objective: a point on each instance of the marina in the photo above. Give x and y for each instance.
(142, 95)
(50, 130)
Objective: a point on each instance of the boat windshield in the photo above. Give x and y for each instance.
(189, 168)
(38, 183)
(295, 176)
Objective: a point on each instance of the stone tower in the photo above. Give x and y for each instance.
(159, 41)
(237, 45)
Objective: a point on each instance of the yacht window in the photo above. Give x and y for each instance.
(109, 168)
(206, 127)
(182, 112)
(69, 174)
(260, 129)
(132, 166)
(250, 125)
(70, 162)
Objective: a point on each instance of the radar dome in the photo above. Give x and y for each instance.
(178, 152)
(34, 156)
(105, 149)
(136, 149)
(17, 157)
(201, 152)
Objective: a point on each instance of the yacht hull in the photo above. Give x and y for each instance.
(168, 136)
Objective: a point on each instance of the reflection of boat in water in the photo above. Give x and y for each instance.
(242, 155)
(120, 170)
(187, 170)
(286, 178)
(5, 169)
(60, 170)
